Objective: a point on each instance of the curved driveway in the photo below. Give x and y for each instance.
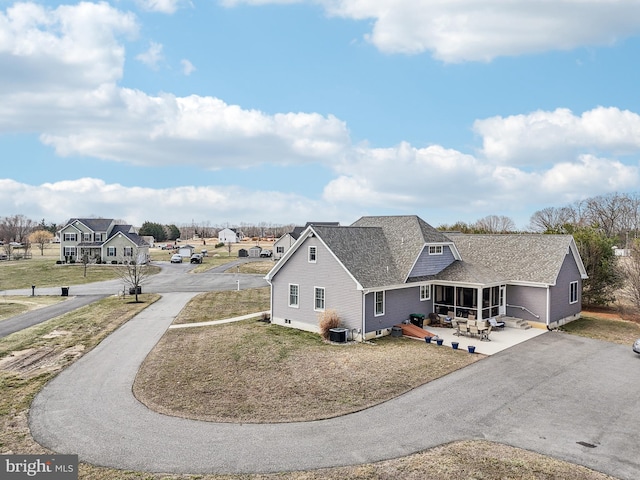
(545, 395)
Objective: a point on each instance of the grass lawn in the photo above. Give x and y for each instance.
(28, 359)
(44, 272)
(11, 305)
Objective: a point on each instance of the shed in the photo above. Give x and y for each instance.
(185, 251)
(243, 253)
(255, 251)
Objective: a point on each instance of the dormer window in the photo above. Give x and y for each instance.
(313, 254)
(435, 249)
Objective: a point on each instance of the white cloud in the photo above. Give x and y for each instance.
(57, 202)
(470, 30)
(545, 137)
(152, 56)
(161, 6)
(202, 131)
(70, 62)
(66, 48)
(187, 67)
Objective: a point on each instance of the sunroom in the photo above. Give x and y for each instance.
(479, 301)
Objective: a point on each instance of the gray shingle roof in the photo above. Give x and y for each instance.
(95, 224)
(533, 258)
(380, 250)
(126, 231)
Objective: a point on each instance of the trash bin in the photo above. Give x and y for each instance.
(65, 291)
(396, 331)
(417, 319)
(132, 290)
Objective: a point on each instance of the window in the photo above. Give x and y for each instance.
(111, 251)
(128, 251)
(69, 251)
(293, 295)
(425, 292)
(313, 253)
(379, 303)
(86, 237)
(319, 299)
(70, 237)
(279, 249)
(573, 292)
(98, 237)
(435, 249)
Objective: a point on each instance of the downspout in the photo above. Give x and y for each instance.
(363, 316)
(548, 307)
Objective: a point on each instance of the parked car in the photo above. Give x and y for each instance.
(176, 258)
(266, 253)
(636, 346)
(196, 258)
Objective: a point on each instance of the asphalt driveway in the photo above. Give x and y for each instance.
(564, 396)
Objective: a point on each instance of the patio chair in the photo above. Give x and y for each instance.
(484, 336)
(457, 326)
(472, 328)
(495, 323)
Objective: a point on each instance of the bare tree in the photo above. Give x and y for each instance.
(135, 272)
(41, 238)
(15, 228)
(630, 267)
(495, 224)
(551, 219)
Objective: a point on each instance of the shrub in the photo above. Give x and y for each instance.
(327, 320)
(114, 262)
(219, 244)
(59, 262)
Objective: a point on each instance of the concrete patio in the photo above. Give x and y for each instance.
(499, 339)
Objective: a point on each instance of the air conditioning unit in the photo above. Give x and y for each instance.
(338, 335)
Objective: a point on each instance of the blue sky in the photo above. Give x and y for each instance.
(247, 111)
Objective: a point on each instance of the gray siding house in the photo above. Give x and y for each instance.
(101, 239)
(378, 271)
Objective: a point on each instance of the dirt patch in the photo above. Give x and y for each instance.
(35, 361)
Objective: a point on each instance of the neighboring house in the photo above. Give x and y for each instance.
(378, 271)
(230, 235)
(101, 239)
(286, 241)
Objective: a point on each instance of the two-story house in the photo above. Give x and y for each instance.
(103, 240)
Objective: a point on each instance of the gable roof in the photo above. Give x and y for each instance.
(127, 231)
(525, 258)
(406, 236)
(376, 251)
(94, 224)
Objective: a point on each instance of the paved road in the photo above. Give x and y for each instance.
(544, 395)
(28, 319)
(172, 278)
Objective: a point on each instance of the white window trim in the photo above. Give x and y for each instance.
(571, 292)
(128, 251)
(115, 252)
(375, 303)
(315, 298)
(315, 254)
(297, 304)
(424, 298)
(437, 249)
